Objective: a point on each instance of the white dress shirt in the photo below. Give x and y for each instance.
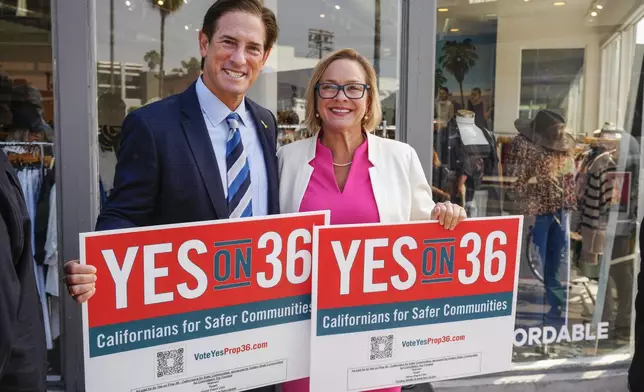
(215, 113)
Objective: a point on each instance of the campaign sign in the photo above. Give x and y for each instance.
(208, 306)
(410, 303)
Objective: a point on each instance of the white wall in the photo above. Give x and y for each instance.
(547, 31)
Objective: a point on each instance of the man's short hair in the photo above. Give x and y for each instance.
(254, 7)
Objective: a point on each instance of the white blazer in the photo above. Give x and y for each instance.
(397, 178)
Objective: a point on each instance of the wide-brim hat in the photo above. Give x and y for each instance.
(548, 129)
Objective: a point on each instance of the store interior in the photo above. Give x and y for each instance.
(582, 59)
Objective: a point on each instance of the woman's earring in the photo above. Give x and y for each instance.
(317, 115)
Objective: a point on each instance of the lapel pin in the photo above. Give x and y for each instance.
(264, 124)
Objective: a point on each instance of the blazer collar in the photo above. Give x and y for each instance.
(373, 151)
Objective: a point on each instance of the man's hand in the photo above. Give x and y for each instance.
(80, 280)
(449, 215)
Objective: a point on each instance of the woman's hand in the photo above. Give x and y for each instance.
(449, 215)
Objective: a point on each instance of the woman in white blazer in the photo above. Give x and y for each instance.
(344, 168)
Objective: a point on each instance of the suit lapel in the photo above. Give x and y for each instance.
(378, 178)
(303, 174)
(196, 132)
(263, 128)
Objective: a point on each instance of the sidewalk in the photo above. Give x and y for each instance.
(588, 381)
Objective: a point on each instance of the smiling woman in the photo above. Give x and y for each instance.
(345, 169)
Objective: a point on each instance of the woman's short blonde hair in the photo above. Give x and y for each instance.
(373, 113)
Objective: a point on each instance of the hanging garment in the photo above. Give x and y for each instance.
(51, 248)
(51, 260)
(30, 181)
(41, 228)
(22, 343)
(595, 206)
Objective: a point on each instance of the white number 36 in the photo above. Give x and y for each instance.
(488, 261)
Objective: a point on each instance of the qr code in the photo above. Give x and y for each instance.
(170, 362)
(382, 347)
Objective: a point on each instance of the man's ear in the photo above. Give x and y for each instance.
(204, 42)
(266, 55)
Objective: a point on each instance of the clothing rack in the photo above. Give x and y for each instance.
(47, 160)
(32, 166)
(26, 144)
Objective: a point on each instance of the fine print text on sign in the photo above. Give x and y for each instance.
(208, 306)
(412, 303)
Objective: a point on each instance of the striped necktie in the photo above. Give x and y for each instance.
(240, 204)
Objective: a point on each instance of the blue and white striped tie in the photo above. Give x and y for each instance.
(240, 203)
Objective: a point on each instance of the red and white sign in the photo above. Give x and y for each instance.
(410, 303)
(199, 307)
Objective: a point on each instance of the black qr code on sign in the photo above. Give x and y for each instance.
(170, 362)
(382, 347)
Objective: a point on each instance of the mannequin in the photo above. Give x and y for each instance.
(624, 154)
(478, 157)
(471, 134)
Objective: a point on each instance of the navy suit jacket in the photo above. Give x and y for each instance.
(167, 171)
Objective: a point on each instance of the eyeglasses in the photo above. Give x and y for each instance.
(351, 90)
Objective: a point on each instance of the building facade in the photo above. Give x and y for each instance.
(71, 71)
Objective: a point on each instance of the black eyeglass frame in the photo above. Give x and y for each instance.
(340, 87)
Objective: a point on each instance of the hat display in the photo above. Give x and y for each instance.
(24, 93)
(548, 129)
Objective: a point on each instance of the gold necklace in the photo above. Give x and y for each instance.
(351, 161)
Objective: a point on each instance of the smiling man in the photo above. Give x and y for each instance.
(209, 152)
(205, 154)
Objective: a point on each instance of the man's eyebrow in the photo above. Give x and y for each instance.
(236, 40)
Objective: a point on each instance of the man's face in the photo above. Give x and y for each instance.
(476, 95)
(234, 55)
(442, 95)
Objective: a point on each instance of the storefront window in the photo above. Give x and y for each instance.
(27, 137)
(510, 76)
(136, 66)
(553, 79)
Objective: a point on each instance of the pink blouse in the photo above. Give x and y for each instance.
(356, 203)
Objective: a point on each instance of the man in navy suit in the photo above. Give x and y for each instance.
(207, 153)
(174, 157)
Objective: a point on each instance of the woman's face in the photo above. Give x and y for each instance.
(476, 95)
(341, 113)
